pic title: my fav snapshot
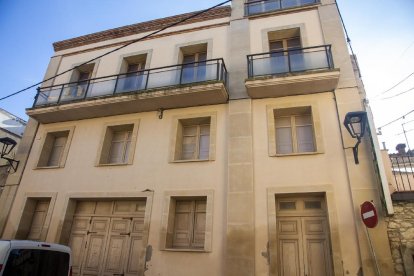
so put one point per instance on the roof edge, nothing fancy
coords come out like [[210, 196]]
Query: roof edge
[[142, 27]]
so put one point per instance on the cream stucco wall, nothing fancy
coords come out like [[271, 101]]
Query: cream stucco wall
[[151, 170]]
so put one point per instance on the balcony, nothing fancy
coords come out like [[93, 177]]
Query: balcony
[[264, 6], [177, 86], [291, 72]]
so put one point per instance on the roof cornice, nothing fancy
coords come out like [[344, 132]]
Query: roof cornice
[[143, 27]]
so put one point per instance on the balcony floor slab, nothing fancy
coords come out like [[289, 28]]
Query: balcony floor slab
[[194, 95], [292, 84]]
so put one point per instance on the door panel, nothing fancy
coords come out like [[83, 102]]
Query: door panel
[[290, 247], [303, 239], [117, 246], [289, 257], [317, 250], [95, 247], [77, 242]]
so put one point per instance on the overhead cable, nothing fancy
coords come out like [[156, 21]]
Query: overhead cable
[[389, 89], [395, 120], [396, 95]]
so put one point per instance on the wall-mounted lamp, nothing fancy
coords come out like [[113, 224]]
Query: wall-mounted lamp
[[355, 123], [8, 146]]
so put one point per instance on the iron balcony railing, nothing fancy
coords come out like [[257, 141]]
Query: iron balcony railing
[[290, 61], [262, 6], [134, 82], [403, 171]]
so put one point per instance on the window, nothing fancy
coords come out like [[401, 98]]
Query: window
[[194, 68], [79, 83], [26, 261], [187, 220], [55, 149], [193, 58], [189, 223], [294, 131], [132, 78], [193, 139], [286, 55], [35, 219], [294, 128], [118, 144]]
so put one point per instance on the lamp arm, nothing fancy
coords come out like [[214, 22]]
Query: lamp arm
[[13, 163], [355, 150]]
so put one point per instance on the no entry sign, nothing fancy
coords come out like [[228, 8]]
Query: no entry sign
[[369, 214]]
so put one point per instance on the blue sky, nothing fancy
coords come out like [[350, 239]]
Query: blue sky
[[381, 31]]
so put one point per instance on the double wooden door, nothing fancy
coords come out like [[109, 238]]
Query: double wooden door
[[303, 241], [108, 245]]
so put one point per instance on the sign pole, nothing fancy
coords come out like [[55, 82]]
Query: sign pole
[[373, 251], [369, 217]]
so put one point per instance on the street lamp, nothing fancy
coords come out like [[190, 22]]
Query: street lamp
[[355, 123], [8, 146]]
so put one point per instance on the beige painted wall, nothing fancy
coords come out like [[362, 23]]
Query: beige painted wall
[[150, 170]]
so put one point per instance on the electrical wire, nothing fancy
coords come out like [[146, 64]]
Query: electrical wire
[[396, 95], [395, 120], [348, 39], [404, 132], [119, 48], [389, 89]]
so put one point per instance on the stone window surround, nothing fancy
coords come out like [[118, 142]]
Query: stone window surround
[[167, 217], [36, 196], [106, 126], [331, 214], [122, 59], [271, 129], [302, 32], [174, 134], [178, 53], [45, 133], [94, 72]]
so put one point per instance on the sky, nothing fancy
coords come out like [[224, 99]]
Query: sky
[[381, 33]]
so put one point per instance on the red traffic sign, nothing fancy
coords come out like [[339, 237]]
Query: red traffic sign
[[369, 214]]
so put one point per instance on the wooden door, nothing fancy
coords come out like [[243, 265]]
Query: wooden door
[[303, 247], [107, 238], [95, 246]]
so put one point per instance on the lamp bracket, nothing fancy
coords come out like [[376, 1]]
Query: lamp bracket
[[13, 163]]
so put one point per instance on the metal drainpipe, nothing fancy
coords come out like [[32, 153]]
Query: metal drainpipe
[[376, 151]]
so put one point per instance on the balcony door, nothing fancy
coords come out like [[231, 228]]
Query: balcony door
[[286, 55], [133, 78], [78, 87], [194, 68]]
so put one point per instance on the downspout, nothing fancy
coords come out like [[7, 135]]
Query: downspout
[[379, 164]]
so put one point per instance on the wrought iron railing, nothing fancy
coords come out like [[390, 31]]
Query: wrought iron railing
[[403, 171], [290, 61], [134, 82], [262, 6]]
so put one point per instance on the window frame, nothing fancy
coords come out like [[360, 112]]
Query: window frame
[[293, 126], [177, 136], [316, 123], [45, 150], [106, 142], [168, 217]]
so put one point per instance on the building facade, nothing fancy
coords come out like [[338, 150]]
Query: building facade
[[215, 147]]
